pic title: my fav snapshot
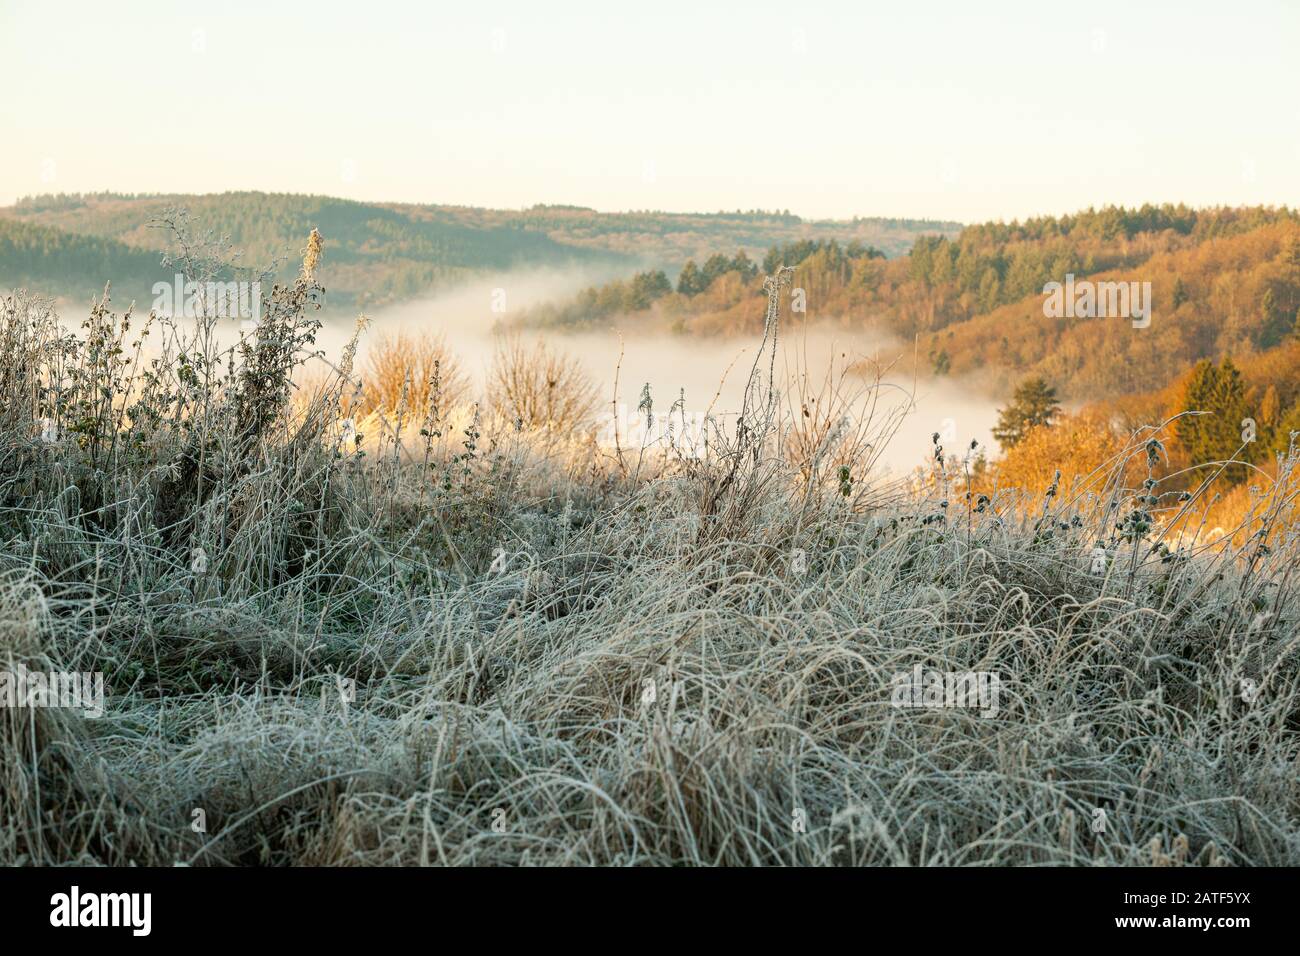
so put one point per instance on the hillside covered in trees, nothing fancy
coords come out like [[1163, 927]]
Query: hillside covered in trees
[[969, 303], [1223, 281], [385, 252], [56, 261], [1223, 337]]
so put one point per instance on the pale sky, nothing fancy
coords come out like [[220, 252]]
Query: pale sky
[[935, 109]]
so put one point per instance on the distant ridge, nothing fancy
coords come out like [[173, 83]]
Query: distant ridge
[[377, 253]]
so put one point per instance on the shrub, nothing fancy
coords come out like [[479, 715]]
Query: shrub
[[538, 387], [411, 370]]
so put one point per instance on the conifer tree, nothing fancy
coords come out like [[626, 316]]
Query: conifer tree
[[688, 283], [1221, 394], [1033, 403]]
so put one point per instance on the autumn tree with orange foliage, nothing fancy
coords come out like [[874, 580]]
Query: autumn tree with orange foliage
[[404, 368], [1074, 445]]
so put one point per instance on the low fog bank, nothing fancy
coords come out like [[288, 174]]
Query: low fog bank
[[711, 371]]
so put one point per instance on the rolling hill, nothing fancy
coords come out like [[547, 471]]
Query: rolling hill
[[379, 253], [1223, 281]]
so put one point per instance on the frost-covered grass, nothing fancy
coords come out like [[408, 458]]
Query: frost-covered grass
[[476, 644]]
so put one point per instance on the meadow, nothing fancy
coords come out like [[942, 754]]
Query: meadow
[[347, 615]]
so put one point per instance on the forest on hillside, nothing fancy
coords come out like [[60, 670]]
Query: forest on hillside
[[1223, 338], [1224, 282], [382, 253]]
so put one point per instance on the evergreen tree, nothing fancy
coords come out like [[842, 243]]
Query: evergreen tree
[[645, 288], [1274, 319], [1221, 393], [744, 265], [714, 266], [1198, 394], [1282, 434], [690, 282], [1033, 403], [772, 261], [1180, 293]]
